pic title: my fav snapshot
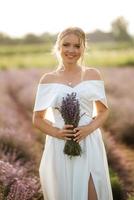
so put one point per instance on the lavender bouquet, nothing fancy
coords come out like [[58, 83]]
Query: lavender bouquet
[[70, 111]]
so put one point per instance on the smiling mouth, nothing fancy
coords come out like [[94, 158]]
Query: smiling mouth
[[70, 56]]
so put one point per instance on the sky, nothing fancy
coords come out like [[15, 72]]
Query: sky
[[19, 17]]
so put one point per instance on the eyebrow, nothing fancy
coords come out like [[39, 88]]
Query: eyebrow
[[70, 43]]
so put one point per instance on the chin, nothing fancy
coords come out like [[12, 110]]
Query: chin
[[70, 61]]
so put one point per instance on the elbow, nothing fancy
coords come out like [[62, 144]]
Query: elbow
[[37, 118], [34, 121], [106, 112]]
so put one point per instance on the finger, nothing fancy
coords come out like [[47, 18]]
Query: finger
[[80, 139], [69, 134], [76, 129], [67, 126], [77, 134], [66, 138], [68, 131], [77, 138]]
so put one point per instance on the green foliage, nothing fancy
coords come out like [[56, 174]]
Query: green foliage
[[116, 186], [110, 46], [99, 36], [110, 58], [1, 191], [40, 55], [44, 60], [8, 50], [29, 38], [32, 39], [131, 198], [119, 29]]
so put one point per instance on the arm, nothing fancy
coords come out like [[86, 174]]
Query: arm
[[42, 124], [46, 126], [38, 116], [102, 112], [97, 122]]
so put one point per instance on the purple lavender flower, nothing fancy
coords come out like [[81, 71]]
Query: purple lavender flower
[[23, 189], [70, 111]]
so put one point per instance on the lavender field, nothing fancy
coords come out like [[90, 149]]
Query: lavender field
[[21, 145]]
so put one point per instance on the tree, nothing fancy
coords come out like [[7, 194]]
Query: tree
[[30, 38], [100, 36], [48, 38], [4, 38], [120, 29]]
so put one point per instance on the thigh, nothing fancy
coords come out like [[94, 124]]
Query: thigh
[[92, 195]]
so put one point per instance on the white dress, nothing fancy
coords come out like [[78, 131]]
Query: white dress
[[63, 178]]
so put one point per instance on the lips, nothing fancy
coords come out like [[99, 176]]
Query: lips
[[70, 56]]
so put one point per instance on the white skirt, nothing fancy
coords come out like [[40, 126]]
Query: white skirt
[[63, 178]]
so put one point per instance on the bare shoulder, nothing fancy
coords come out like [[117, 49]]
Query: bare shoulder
[[48, 77], [92, 74]]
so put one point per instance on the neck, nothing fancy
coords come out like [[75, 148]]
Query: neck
[[69, 68]]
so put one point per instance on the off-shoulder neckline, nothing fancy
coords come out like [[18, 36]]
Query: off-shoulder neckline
[[62, 84]]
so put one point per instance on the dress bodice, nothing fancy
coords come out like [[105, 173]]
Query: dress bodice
[[50, 95]]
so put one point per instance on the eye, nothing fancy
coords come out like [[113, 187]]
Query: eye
[[77, 46], [65, 44]]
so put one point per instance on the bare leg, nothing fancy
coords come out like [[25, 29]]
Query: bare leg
[[91, 190]]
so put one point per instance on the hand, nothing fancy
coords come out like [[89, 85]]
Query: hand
[[80, 133], [65, 133]]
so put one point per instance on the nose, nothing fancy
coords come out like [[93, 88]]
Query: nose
[[71, 49]]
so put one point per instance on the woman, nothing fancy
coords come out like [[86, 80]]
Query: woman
[[84, 177]]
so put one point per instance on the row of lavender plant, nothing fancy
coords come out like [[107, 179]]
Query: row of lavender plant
[[119, 87], [20, 150], [21, 144]]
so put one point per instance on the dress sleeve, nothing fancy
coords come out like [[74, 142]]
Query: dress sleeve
[[45, 97], [99, 93]]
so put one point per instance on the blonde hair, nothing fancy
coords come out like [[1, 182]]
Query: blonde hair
[[71, 30]]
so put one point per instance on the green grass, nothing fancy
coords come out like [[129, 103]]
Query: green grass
[[102, 54], [110, 58], [28, 61], [9, 50], [111, 46]]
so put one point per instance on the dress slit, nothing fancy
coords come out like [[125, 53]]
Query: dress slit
[[92, 182]]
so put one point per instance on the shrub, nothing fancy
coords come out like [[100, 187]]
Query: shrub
[[15, 183], [131, 198], [128, 134], [116, 186]]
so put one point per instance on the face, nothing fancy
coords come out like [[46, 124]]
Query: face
[[70, 49]]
